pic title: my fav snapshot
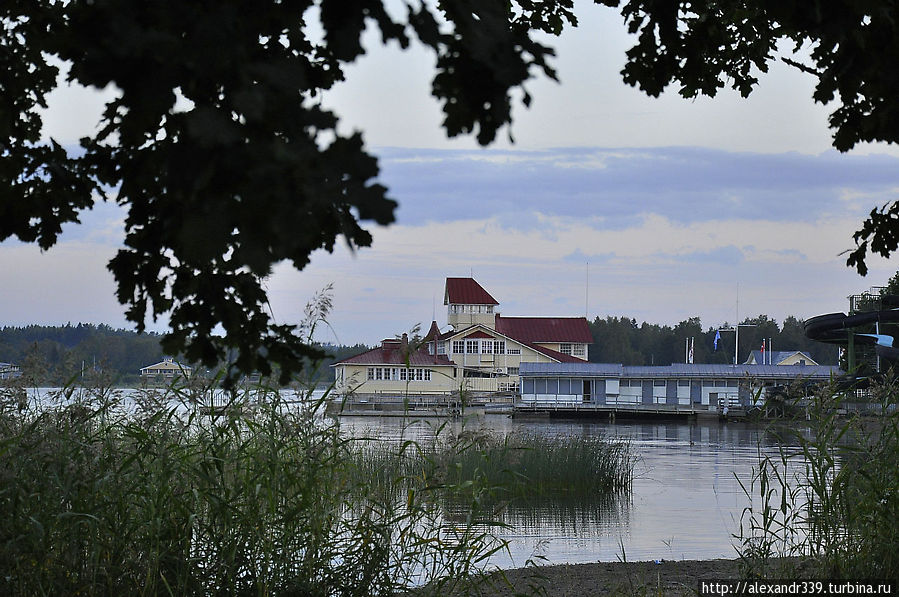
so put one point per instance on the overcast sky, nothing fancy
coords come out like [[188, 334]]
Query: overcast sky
[[608, 203]]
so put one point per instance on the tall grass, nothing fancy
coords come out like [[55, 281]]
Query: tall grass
[[261, 500], [519, 466], [829, 508]]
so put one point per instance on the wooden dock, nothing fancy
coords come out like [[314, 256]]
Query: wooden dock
[[612, 411]]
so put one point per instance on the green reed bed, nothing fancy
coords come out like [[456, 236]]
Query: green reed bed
[[166, 501], [829, 508], [517, 466]]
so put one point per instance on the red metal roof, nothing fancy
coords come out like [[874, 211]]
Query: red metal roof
[[545, 329], [465, 291], [433, 332], [394, 356]]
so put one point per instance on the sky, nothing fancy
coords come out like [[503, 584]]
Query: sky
[[608, 203]]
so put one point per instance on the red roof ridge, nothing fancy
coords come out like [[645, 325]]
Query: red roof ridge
[[466, 291]]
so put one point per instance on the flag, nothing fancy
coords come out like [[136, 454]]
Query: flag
[[690, 359], [763, 347], [717, 338]]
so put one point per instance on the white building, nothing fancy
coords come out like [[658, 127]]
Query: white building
[[166, 369], [481, 352]]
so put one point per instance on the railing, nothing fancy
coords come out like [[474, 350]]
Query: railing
[[554, 405]]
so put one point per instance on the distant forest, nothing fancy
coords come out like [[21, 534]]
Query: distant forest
[[56, 355], [623, 340]]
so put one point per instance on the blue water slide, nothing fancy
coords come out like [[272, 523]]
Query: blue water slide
[[835, 328]]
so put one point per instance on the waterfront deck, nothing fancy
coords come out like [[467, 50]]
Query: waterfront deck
[[626, 410]]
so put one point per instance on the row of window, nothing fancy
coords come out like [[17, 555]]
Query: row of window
[[398, 374], [480, 346], [471, 308], [637, 383], [475, 347], [576, 385]]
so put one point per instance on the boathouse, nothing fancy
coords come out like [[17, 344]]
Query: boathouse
[[675, 388]]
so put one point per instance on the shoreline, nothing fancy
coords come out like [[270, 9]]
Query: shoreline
[[668, 578]]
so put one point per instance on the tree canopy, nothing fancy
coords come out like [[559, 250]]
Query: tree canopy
[[227, 164]]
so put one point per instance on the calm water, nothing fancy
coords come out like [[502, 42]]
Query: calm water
[[686, 501]]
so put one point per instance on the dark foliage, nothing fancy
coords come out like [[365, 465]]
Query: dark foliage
[[849, 46], [227, 164], [219, 149]]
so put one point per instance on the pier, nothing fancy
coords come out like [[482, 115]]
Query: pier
[[611, 411]]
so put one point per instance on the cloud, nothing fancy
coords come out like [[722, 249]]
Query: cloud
[[660, 250], [613, 185], [727, 255]]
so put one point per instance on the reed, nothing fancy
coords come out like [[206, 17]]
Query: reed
[[262, 499], [828, 508], [517, 466]]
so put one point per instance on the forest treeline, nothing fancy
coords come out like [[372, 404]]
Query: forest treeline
[[623, 340], [56, 355]]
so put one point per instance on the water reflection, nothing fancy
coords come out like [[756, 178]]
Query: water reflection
[[686, 502]]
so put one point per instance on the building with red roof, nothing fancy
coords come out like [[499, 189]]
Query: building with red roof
[[480, 352]]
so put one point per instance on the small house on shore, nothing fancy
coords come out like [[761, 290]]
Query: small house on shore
[[9, 371], [166, 369]]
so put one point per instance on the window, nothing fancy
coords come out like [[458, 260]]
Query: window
[[489, 308], [512, 370], [565, 349], [487, 347], [513, 351], [471, 346], [371, 373], [683, 383], [499, 346], [458, 346], [441, 348], [659, 382], [578, 350], [378, 373], [409, 374]]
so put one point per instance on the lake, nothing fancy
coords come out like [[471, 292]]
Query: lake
[[686, 501]]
